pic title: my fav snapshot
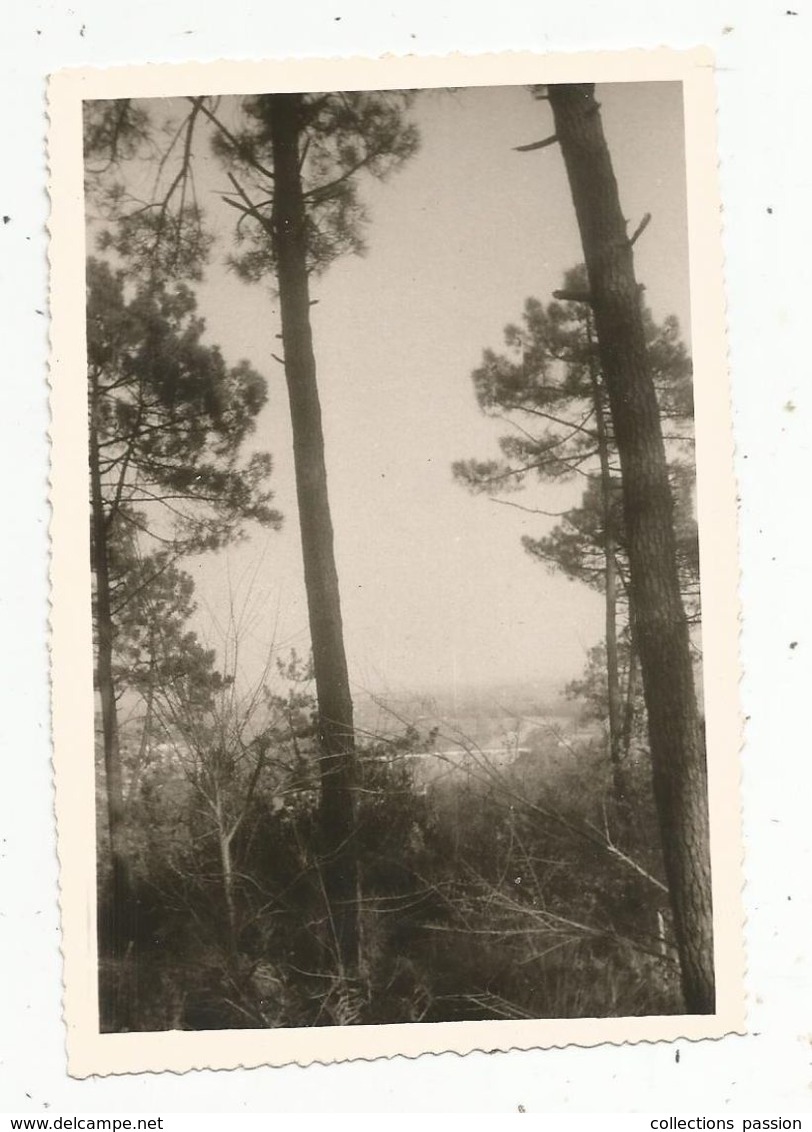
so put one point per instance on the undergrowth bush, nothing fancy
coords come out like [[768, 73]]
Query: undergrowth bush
[[494, 894]]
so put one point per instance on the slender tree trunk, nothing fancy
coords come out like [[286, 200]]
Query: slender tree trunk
[[612, 672], [632, 689], [610, 595], [661, 628], [227, 869], [338, 762], [116, 932]]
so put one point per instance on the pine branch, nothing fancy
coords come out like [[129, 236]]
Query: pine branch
[[566, 296], [640, 229], [529, 510], [552, 140]]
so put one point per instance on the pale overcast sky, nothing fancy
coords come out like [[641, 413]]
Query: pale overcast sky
[[435, 585]]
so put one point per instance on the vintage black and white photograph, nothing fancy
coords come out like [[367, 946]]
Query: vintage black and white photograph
[[397, 707]]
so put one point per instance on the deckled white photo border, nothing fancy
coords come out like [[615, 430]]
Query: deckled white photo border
[[90, 1052]]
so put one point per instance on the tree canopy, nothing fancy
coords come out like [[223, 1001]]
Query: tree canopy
[[547, 388], [171, 418]]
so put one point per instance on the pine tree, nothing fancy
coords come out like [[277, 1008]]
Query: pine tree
[[167, 421], [661, 627]]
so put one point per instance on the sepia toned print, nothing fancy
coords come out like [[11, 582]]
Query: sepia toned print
[[394, 579]]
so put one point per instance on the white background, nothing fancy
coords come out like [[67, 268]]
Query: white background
[[765, 96]]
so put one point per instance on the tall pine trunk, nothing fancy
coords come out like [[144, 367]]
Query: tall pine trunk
[[116, 929], [661, 628], [338, 768]]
